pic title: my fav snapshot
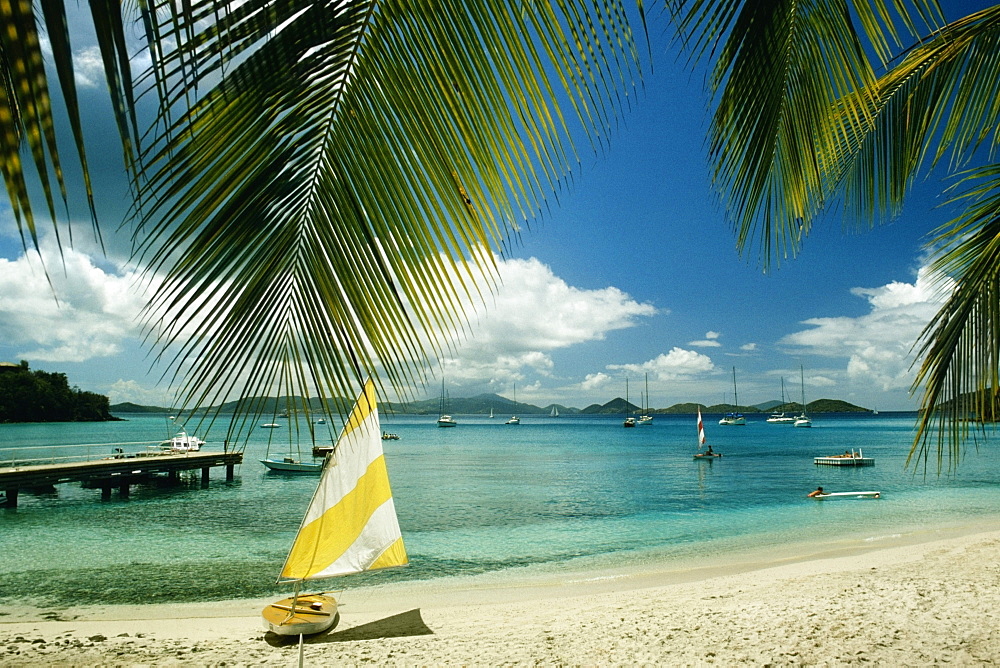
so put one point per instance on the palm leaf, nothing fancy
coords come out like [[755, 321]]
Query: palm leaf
[[772, 143], [343, 165]]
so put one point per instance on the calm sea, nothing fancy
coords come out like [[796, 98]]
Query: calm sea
[[484, 497]]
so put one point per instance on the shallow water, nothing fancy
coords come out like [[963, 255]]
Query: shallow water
[[480, 498]]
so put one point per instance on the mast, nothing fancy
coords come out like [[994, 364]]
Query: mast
[[736, 396]]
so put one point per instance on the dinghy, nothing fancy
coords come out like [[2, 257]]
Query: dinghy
[[349, 527]]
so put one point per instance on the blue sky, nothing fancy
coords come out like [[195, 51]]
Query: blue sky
[[633, 273]]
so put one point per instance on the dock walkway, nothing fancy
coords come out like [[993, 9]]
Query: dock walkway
[[117, 471]]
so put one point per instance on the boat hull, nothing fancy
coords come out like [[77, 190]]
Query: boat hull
[[313, 613], [289, 465]]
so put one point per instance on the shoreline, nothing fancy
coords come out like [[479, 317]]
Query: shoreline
[[909, 598]]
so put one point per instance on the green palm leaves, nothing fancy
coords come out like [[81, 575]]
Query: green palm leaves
[[803, 121], [321, 173]]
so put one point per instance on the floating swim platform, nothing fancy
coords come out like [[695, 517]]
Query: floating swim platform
[[841, 460], [851, 458]]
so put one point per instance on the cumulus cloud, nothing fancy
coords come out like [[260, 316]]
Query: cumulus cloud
[[87, 312], [877, 345], [748, 347], [711, 340], [532, 314], [678, 364]]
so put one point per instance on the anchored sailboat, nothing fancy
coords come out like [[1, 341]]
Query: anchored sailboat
[[513, 418], [803, 420], [735, 418], [781, 418], [646, 418], [444, 420], [349, 527]]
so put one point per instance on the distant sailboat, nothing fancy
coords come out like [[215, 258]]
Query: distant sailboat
[[781, 418], [513, 418], [491, 412], [629, 420], [736, 418], [803, 420], [645, 419], [555, 412], [349, 527], [709, 453], [444, 420]]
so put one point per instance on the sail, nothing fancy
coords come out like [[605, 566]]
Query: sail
[[701, 430], [350, 525]]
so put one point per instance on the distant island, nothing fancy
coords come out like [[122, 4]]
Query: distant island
[[482, 404], [40, 396]]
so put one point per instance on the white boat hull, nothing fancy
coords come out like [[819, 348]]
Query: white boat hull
[[314, 613], [289, 465]]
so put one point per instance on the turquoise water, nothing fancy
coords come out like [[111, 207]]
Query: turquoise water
[[552, 493]]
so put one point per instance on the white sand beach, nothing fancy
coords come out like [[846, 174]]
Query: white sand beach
[[902, 600]]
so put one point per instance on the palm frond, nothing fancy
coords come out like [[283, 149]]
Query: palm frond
[[960, 371], [779, 70], [343, 164]]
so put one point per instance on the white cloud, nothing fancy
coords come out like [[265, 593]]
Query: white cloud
[[711, 340], [534, 313], [678, 364], [595, 381], [88, 68], [86, 313], [877, 345], [749, 347]]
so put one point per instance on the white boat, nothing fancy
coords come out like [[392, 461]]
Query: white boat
[[292, 465], [491, 412], [709, 453], [444, 420], [349, 527], [734, 419], [803, 420], [182, 441], [645, 419], [270, 425], [513, 418], [781, 418], [629, 420], [554, 413]]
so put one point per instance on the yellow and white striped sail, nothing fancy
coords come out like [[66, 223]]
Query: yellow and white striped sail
[[351, 523]]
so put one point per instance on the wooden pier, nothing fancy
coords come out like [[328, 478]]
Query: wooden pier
[[118, 471]]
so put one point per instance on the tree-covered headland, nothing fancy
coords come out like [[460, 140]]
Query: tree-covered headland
[[41, 396]]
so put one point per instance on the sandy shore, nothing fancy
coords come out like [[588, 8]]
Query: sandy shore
[[900, 601]]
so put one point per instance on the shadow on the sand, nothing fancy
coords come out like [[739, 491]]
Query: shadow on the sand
[[404, 624]]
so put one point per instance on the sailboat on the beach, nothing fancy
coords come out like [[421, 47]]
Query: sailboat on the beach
[[349, 527], [709, 453]]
